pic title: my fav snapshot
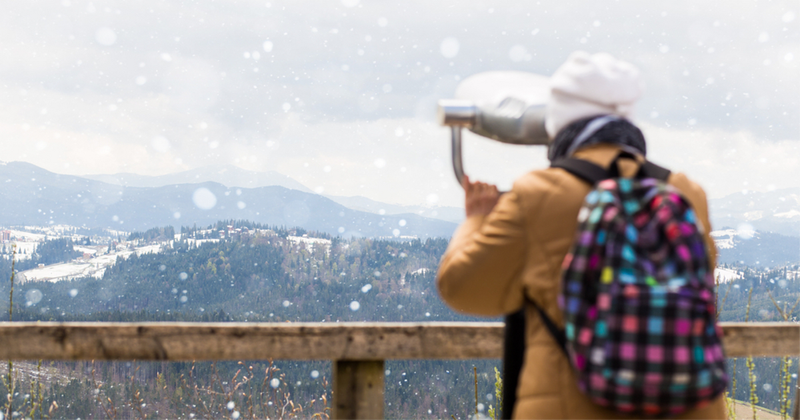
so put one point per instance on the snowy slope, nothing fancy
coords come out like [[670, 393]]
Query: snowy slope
[[752, 247]]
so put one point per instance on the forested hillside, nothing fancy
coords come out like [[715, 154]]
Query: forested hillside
[[239, 271], [279, 276], [263, 277]]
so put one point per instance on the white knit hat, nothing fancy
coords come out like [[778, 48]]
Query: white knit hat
[[591, 84]]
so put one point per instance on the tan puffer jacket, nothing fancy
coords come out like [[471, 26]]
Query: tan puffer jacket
[[518, 248]]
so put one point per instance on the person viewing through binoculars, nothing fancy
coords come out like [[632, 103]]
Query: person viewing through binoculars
[[607, 255]]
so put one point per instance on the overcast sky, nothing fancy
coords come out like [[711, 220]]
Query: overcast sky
[[340, 94]]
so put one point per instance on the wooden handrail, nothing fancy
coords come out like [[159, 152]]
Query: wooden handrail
[[249, 341], [310, 341], [358, 350]]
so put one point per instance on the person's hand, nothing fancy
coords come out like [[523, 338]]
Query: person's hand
[[480, 198]]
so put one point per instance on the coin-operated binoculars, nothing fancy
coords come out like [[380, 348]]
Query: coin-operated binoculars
[[509, 107], [506, 106]]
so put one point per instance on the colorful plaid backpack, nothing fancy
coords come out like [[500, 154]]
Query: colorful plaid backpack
[[638, 296]]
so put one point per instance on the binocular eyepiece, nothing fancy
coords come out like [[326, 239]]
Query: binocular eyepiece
[[505, 106], [511, 121]]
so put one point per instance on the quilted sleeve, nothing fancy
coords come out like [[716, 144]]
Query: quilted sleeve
[[479, 272]]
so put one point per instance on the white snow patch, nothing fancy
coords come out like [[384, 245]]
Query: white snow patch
[[94, 267], [726, 274], [27, 236], [25, 250], [149, 249], [753, 215], [86, 249], [311, 242], [723, 239], [57, 272], [197, 242], [788, 214]]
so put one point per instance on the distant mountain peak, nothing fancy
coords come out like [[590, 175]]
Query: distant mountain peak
[[226, 174], [728, 238], [772, 211], [30, 195], [450, 214]]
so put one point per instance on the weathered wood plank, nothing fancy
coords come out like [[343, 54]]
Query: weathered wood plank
[[358, 389], [310, 341], [249, 341], [761, 339]]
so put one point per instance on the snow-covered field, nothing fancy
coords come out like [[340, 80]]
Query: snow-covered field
[[724, 239], [149, 249], [27, 236], [789, 214], [94, 250], [312, 242], [24, 250], [197, 242], [63, 271], [726, 274], [94, 267]]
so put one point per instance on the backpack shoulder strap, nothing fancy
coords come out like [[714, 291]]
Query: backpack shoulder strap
[[592, 173], [583, 169], [514, 351], [651, 170], [558, 334]]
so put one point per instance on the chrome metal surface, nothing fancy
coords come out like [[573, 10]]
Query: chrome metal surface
[[453, 112], [458, 162], [512, 122]]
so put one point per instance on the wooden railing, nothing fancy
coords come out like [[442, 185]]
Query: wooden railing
[[358, 350]]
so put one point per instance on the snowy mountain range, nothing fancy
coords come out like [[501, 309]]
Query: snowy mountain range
[[756, 248], [30, 195], [232, 176], [33, 195], [774, 211], [450, 214], [227, 175]]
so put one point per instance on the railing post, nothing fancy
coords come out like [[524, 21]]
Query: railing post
[[357, 389]]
